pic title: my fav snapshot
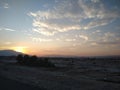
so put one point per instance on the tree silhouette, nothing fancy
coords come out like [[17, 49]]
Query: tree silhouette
[[26, 59], [33, 60], [19, 58]]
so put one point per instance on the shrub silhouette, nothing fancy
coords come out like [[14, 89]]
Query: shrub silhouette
[[34, 61], [45, 62], [26, 59], [19, 59]]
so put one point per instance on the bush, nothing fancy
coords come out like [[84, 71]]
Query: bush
[[45, 63], [34, 61], [26, 59], [19, 59]]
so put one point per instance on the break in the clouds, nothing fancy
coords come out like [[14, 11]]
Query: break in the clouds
[[68, 15]]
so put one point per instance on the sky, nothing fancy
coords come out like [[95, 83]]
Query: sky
[[61, 27]]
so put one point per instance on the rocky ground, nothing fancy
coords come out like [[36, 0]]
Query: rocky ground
[[82, 75]]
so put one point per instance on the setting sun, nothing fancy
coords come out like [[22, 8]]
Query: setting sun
[[20, 49], [60, 27]]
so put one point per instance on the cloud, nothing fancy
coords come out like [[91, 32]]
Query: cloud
[[98, 23], [56, 20], [68, 15], [98, 12], [36, 39], [94, 44], [96, 32], [7, 29], [95, 1], [44, 31], [83, 37], [105, 43], [107, 38], [49, 24], [8, 43], [6, 5], [110, 37], [70, 40], [109, 43]]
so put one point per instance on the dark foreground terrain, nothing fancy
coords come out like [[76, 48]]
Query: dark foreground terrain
[[80, 74], [8, 84]]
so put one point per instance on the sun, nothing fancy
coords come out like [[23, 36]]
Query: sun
[[20, 49]]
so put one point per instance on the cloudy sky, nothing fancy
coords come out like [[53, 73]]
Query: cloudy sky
[[61, 27]]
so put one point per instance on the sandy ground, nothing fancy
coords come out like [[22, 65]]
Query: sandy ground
[[8, 84], [83, 75]]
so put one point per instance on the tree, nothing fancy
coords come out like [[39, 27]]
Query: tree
[[19, 58], [33, 60], [33, 57], [26, 59]]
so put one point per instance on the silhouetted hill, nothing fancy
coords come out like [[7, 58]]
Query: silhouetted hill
[[9, 53]]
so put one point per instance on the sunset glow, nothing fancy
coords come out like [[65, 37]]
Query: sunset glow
[[61, 27], [20, 49]]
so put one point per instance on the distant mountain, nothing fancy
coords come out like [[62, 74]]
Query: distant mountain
[[9, 53]]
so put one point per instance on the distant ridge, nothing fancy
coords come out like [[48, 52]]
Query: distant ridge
[[9, 53]]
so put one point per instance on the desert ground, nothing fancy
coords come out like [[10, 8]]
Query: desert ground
[[80, 74], [9, 84]]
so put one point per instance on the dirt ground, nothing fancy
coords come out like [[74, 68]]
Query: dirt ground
[[82, 75]]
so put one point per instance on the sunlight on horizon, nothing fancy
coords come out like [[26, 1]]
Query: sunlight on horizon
[[20, 49], [61, 27]]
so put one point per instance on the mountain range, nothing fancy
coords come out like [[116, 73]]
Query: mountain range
[[9, 53]]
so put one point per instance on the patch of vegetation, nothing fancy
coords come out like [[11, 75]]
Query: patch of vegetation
[[34, 61]]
